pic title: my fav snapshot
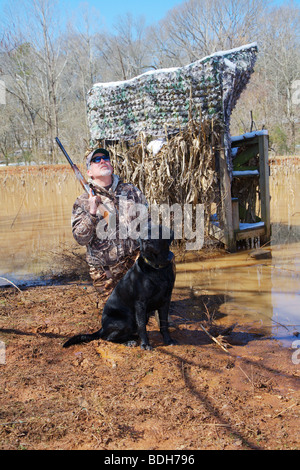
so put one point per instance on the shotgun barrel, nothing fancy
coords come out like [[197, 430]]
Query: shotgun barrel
[[82, 180], [75, 168]]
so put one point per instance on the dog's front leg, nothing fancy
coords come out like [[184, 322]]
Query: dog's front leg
[[141, 321], [163, 313]]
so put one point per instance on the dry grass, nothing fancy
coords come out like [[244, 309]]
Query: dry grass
[[68, 261]]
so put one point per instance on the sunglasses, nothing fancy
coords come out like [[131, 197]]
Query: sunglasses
[[99, 158]]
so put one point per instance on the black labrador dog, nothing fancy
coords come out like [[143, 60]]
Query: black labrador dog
[[146, 287]]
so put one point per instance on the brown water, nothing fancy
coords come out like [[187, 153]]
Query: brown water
[[35, 214]]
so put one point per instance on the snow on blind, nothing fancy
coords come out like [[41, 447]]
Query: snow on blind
[[164, 99]]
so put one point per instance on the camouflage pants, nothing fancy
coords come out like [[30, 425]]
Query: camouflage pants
[[106, 278]]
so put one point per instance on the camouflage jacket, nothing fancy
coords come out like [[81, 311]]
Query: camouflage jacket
[[88, 229]]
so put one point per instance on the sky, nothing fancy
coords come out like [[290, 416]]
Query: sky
[[152, 10], [105, 13], [109, 10]]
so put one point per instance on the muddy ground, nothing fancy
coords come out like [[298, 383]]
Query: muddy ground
[[105, 396]]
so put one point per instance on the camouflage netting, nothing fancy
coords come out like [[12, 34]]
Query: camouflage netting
[[164, 100]]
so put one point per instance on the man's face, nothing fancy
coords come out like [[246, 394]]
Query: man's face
[[99, 168]]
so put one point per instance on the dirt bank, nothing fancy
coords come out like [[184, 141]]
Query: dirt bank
[[106, 396]]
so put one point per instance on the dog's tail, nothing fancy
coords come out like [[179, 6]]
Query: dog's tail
[[84, 338]]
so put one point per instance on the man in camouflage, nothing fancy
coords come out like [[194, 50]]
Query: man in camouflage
[[108, 258]]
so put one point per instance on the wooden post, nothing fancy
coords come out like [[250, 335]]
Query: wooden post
[[235, 214], [226, 204], [263, 144]]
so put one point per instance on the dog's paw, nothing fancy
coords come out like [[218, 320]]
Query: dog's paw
[[131, 344], [146, 347], [171, 342]]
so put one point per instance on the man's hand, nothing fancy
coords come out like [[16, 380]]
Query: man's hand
[[94, 202]]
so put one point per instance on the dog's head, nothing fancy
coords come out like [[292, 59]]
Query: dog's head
[[156, 251]]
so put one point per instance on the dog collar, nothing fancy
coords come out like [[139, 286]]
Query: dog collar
[[160, 266]]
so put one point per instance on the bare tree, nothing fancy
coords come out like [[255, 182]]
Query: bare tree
[[19, 85], [198, 28], [82, 71], [270, 92], [280, 62], [50, 64], [125, 53], [35, 64]]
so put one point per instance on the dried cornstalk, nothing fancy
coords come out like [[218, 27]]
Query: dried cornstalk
[[182, 172]]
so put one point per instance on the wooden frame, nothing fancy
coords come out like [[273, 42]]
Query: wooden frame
[[230, 230]]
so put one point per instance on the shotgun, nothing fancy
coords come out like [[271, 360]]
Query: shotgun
[[82, 179], [75, 168]]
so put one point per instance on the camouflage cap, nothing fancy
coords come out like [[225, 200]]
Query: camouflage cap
[[94, 152]]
